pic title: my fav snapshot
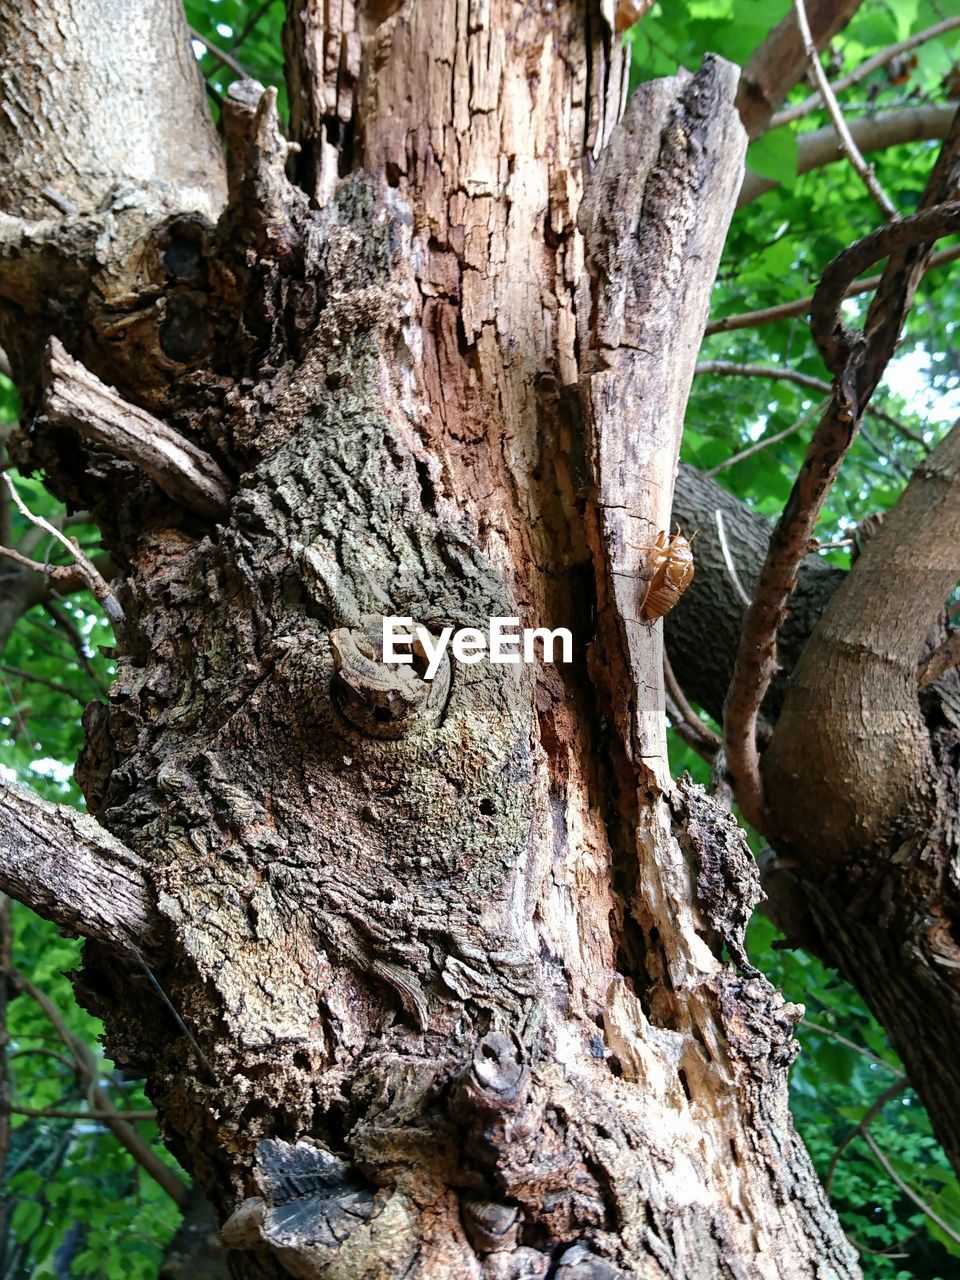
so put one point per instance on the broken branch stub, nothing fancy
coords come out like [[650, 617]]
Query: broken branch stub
[[78, 399]]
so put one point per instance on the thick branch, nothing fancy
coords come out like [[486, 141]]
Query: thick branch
[[835, 341], [857, 361], [780, 62], [97, 94], [851, 726], [872, 133], [78, 399], [66, 867]]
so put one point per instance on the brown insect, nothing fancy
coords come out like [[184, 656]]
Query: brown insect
[[671, 559]]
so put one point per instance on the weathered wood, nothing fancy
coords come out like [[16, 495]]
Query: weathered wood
[[76, 398], [72, 871]]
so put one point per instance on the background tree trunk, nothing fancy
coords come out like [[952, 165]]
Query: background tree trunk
[[452, 976]]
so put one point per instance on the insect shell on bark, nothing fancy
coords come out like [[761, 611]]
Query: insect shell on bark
[[671, 564]]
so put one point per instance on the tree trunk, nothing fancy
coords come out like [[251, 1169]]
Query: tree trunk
[[452, 976]]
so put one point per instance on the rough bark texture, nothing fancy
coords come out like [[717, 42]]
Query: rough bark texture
[[458, 975], [72, 870], [55, 133]]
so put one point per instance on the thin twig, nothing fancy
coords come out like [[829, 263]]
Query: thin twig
[[801, 306], [709, 740], [850, 1044], [34, 566], [685, 733], [839, 544], [118, 1122], [866, 68], [88, 570], [173, 1011], [766, 442], [780, 373], [49, 684], [908, 1190], [883, 453], [776, 373], [63, 620], [221, 55], [850, 148], [860, 1130], [59, 201], [728, 559], [250, 24], [101, 1116]]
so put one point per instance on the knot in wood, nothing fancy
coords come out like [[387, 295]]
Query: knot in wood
[[498, 1075], [384, 700], [491, 1226], [579, 1262]]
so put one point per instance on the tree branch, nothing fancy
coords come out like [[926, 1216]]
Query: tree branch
[[765, 442], [125, 110], [801, 306], [835, 341], [848, 356], [85, 567], [941, 660], [221, 55], [53, 1113], [850, 148], [780, 373], [77, 398], [866, 773], [872, 133], [66, 867], [865, 69], [780, 61], [685, 720], [118, 1122], [892, 1091], [908, 1190]]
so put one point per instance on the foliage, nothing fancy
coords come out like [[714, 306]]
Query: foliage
[[248, 32], [79, 1205], [776, 251]]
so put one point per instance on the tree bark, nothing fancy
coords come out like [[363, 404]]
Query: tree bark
[[453, 977]]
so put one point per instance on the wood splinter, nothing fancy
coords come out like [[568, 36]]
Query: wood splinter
[[76, 398]]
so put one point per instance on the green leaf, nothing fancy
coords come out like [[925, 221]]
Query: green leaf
[[775, 156], [26, 1218]]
